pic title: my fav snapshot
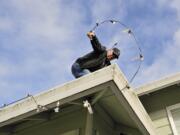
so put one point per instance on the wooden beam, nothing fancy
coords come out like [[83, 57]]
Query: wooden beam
[[40, 117], [89, 124], [98, 96]]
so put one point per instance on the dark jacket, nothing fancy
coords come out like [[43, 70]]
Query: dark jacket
[[96, 59]]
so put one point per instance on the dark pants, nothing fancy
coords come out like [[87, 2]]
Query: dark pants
[[77, 71]]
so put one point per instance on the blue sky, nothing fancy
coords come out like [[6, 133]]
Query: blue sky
[[40, 39]]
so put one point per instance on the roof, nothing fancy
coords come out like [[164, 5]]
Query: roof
[[123, 104], [158, 85]]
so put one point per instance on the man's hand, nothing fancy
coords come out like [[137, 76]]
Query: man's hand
[[90, 35]]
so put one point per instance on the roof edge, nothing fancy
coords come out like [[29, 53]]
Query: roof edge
[[29, 104], [158, 85]]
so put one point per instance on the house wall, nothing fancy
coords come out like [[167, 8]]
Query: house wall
[[67, 123], [70, 121], [155, 104]]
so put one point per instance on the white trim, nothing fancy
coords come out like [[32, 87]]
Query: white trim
[[158, 84], [68, 92], [110, 76], [169, 109]]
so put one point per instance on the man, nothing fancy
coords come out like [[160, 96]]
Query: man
[[97, 59]]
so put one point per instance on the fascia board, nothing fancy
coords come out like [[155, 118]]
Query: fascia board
[[132, 104], [77, 89], [27, 107], [158, 85]]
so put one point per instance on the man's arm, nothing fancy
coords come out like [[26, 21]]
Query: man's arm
[[95, 42]]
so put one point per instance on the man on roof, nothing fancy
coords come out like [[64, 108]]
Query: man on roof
[[99, 58]]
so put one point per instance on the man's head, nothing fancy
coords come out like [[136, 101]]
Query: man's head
[[113, 53]]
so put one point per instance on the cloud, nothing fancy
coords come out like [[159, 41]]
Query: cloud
[[175, 5], [50, 20], [41, 39], [39, 52], [100, 10], [165, 63], [5, 24]]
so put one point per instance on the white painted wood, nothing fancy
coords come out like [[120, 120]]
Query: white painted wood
[[169, 111], [137, 109], [161, 122], [158, 85], [27, 107], [78, 88]]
